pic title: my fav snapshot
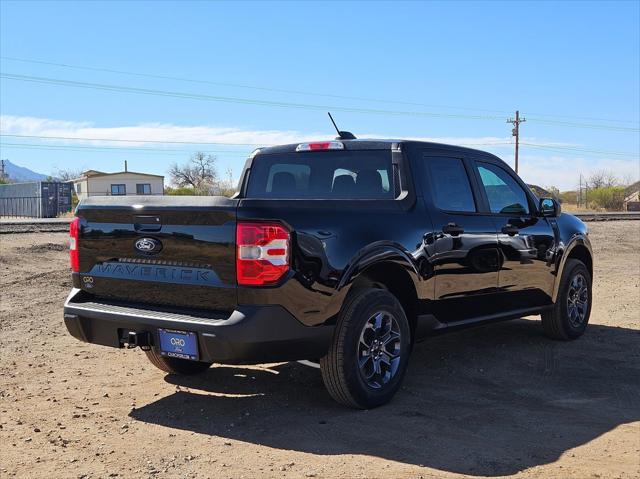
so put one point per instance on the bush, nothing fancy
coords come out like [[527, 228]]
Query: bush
[[222, 190], [180, 191], [568, 197], [607, 197]]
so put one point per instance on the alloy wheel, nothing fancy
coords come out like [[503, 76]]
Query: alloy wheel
[[577, 300], [379, 349]]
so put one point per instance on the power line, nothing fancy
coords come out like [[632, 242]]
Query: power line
[[112, 148], [251, 101], [129, 140], [296, 92], [238, 85], [146, 149], [581, 125], [71, 148], [226, 99], [541, 117], [177, 142], [566, 149], [548, 146]]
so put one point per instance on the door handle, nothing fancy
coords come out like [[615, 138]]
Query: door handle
[[452, 229], [510, 230]]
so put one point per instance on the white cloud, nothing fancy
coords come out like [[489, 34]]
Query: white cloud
[[16, 125], [28, 125], [19, 125], [564, 172], [541, 168]]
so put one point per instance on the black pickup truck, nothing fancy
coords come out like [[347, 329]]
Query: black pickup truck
[[343, 252]]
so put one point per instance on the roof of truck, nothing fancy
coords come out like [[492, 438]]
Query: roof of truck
[[376, 144]]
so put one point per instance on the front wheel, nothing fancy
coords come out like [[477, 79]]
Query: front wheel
[[368, 356], [569, 317], [176, 365]]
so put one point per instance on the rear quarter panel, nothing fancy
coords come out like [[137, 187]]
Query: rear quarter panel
[[330, 240]]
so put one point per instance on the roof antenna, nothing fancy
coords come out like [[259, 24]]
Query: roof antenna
[[342, 135]]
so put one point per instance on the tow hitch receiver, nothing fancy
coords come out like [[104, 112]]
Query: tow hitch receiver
[[133, 339]]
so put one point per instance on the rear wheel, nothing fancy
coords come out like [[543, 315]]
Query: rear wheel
[[368, 356], [570, 315], [176, 365]]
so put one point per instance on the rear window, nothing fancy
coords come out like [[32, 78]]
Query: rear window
[[365, 174]]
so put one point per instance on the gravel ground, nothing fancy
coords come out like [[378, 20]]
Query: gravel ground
[[494, 401]]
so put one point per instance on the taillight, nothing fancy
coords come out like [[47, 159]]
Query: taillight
[[74, 237], [262, 256]]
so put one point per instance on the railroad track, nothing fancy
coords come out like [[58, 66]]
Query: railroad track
[[35, 225], [623, 215]]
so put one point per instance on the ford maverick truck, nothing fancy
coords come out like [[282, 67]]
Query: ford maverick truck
[[344, 252]]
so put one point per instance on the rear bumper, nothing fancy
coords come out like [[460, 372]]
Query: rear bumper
[[249, 335]]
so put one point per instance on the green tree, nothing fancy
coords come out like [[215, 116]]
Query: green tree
[[569, 197], [607, 197], [180, 191]]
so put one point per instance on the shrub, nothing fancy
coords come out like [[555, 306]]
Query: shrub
[[568, 197], [607, 197], [180, 191]]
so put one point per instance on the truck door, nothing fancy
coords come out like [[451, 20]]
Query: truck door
[[465, 241], [526, 241]]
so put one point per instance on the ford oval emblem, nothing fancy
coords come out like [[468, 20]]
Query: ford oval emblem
[[148, 246]]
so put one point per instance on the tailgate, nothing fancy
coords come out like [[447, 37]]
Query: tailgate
[[170, 250]]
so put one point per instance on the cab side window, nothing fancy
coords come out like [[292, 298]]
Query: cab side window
[[505, 195], [450, 185]]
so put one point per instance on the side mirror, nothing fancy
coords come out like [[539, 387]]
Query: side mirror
[[549, 207]]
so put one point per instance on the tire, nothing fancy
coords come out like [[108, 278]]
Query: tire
[[357, 337], [562, 321], [176, 365]]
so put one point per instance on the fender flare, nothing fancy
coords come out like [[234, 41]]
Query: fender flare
[[376, 253], [371, 255], [578, 239]]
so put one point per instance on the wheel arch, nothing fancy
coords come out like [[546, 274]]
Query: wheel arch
[[578, 248], [391, 270]]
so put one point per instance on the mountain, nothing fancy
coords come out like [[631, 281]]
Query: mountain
[[21, 174]]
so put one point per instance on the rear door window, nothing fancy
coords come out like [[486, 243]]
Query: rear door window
[[450, 185], [364, 174]]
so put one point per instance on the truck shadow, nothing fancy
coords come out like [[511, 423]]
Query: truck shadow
[[490, 401]]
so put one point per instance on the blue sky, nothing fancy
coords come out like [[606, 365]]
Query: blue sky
[[446, 71]]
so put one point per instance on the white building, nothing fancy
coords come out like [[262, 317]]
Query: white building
[[97, 183]]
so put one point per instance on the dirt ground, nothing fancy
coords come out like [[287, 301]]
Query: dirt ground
[[494, 401]]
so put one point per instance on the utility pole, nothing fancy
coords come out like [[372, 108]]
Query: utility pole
[[1, 169], [516, 132], [586, 193], [579, 199]]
